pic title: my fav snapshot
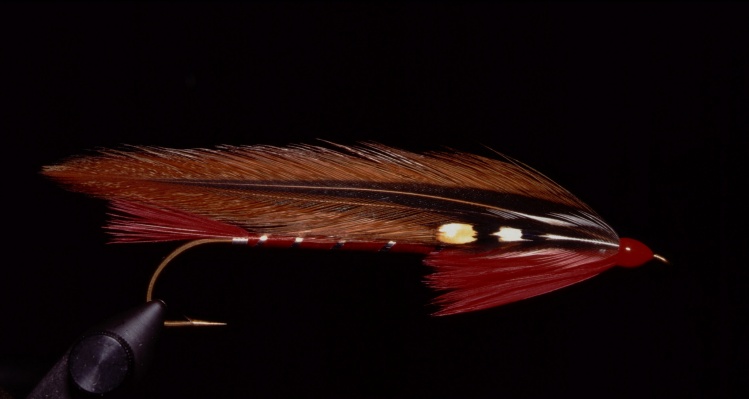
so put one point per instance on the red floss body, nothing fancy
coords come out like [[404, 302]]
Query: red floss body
[[494, 231]]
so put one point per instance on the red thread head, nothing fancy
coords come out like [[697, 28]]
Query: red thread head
[[632, 253]]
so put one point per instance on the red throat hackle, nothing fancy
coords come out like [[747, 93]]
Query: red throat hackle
[[494, 231]]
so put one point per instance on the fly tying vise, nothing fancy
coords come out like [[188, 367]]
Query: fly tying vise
[[495, 231]]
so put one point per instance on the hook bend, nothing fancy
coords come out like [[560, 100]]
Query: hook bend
[[189, 322]]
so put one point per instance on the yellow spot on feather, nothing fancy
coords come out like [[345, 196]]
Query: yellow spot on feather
[[456, 233]]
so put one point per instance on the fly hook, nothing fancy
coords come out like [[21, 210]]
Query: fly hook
[[149, 294]]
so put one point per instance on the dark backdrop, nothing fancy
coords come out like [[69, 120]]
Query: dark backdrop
[[639, 109]]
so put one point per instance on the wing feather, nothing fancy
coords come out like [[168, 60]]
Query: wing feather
[[206, 182]]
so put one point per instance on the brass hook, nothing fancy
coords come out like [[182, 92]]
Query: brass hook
[[149, 294]]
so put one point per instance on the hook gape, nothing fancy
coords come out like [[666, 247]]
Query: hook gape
[[189, 322]]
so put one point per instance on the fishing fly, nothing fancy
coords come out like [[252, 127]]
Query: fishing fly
[[494, 231]]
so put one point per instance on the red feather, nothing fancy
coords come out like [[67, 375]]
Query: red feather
[[476, 282]]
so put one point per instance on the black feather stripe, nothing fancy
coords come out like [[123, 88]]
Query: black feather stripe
[[486, 210]]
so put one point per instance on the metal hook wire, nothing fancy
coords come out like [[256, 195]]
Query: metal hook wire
[[189, 322], [661, 259]]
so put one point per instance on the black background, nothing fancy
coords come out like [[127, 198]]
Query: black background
[[639, 109]]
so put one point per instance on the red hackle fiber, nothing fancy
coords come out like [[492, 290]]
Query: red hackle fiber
[[475, 282], [137, 222]]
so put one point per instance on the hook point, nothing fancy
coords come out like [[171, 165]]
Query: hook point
[[193, 323]]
